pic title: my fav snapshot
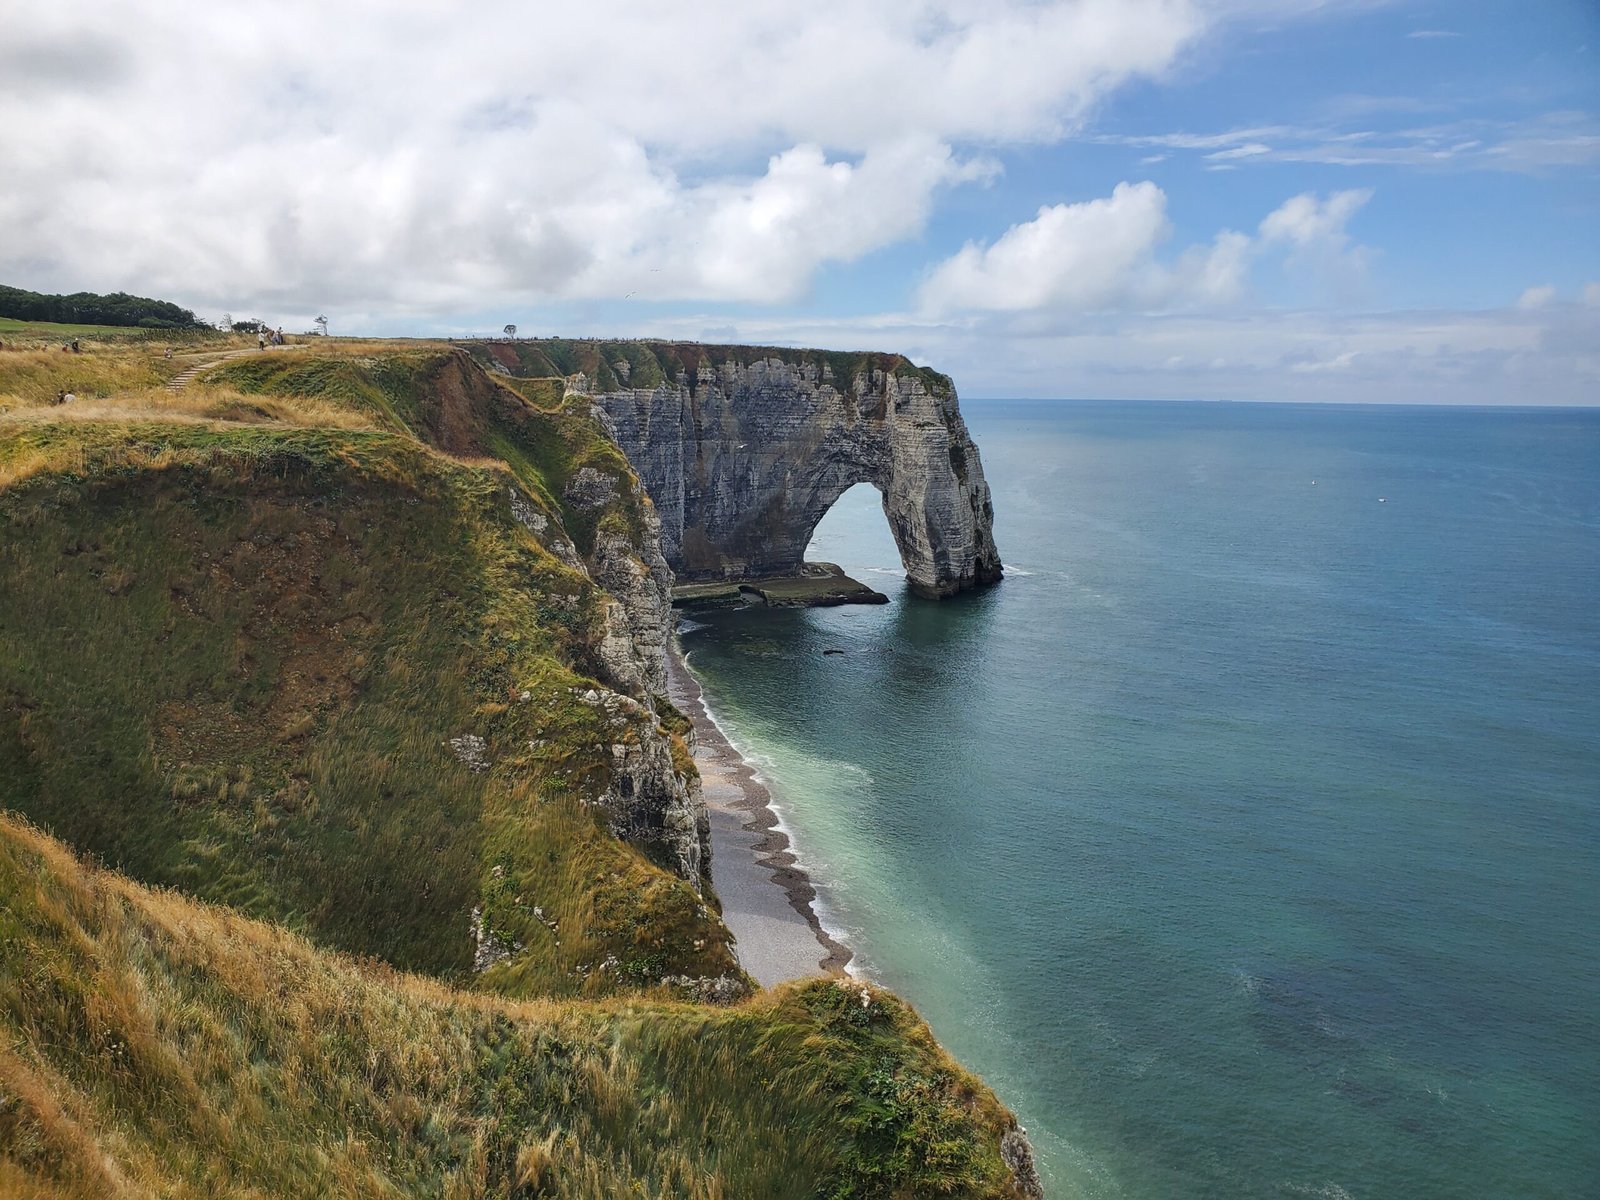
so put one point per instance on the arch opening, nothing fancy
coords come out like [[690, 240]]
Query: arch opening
[[855, 534]]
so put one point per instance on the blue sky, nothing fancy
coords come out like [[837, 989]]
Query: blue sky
[[1216, 199], [1366, 99]]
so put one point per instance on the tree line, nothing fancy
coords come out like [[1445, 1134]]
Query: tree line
[[88, 308]]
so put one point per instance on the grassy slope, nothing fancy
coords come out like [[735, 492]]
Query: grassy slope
[[232, 659], [232, 652], [150, 1045], [441, 399]]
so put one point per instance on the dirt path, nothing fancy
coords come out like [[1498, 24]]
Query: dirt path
[[188, 375]]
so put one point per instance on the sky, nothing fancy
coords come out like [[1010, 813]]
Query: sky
[[1358, 201]]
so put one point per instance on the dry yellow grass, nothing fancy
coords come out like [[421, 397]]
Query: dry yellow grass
[[151, 1046], [31, 378], [201, 402]]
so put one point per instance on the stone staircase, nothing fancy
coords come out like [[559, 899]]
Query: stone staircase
[[188, 375]]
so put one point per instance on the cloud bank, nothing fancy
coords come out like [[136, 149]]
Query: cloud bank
[[419, 156], [410, 165], [1104, 255]]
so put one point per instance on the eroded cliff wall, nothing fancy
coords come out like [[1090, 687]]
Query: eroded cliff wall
[[744, 455], [743, 449]]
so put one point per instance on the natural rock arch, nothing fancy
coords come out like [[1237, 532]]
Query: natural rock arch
[[745, 450]]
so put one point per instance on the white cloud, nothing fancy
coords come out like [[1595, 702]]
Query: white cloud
[[1536, 297], [761, 239], [1534, 145], [1433, 33], [1195, 141], [1315, 233], [1248, 150], [418, 156], [1319, 366], [1093, 255], [1103, 255], [1309, 224], [1591, 295], [1217, 273]]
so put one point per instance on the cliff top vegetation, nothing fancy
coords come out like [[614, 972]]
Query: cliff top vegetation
[[91, 309], [305, 657], [156, 1046], [650, 363]]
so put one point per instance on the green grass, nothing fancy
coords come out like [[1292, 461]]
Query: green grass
[[232, 661], [238, 633], [153, 1046], [62, 332], [14, 330]]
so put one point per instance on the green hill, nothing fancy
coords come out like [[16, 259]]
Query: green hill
[[331, 649], [234, 658], [152, 1046]]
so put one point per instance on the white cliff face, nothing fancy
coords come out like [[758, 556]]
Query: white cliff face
[[648, 802], [743, 459], [638, 578]]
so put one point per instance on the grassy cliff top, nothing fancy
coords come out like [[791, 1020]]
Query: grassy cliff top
[[150, 1046], [247, 630], [653, 363], [299, 664]]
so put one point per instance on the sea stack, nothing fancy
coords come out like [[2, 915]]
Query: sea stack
[[744, 449]]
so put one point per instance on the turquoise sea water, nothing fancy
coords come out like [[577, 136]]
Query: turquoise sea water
[[1247, 837]]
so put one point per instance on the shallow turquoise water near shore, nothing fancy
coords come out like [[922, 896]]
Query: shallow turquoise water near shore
[[1247, 837]]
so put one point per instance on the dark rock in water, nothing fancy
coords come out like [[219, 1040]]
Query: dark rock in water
[[833, 651], [744, 449], [707, 595], [1017, 1153]]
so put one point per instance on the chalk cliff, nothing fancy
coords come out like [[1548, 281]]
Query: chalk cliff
[[743, 449]]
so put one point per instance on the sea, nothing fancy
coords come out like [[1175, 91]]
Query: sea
[[1246, 837]]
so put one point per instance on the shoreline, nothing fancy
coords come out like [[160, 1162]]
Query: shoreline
[[768, 899]]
